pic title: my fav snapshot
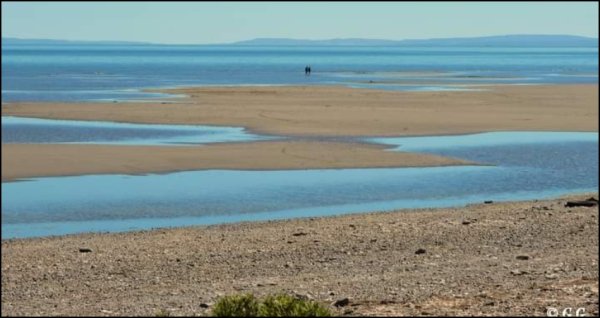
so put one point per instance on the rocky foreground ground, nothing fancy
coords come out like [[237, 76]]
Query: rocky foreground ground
[[488, 259]]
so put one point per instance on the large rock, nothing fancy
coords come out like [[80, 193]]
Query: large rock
[[587, 203]]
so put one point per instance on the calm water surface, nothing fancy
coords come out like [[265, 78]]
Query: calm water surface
[[539, 165], [520, 165], [120, 72], [33, 130]]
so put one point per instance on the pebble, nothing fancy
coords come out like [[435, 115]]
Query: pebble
[[420, 251], [341, 302], [551, 276], [517, 272], [523, 257]]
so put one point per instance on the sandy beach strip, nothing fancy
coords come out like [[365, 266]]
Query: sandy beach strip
[[513, 258], [298, 111], [342, 111], [39, 160]]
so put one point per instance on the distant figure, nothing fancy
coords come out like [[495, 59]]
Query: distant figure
[[306, 70], [309, 70]]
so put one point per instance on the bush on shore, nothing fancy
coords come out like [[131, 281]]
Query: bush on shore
[[247, 305]]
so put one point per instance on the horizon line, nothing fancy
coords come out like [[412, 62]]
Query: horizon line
[[299, 39]]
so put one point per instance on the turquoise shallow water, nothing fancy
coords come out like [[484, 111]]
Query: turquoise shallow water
[[531, 166]]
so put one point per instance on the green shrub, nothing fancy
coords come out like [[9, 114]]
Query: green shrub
[[288, 306], [236, 306], [271, 306]]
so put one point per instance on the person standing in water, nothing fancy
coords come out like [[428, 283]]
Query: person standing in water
[[306, 70], [309, 70]]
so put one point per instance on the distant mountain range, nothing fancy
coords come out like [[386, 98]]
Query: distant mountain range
[[302, 42], [496, 41], [491, 41]]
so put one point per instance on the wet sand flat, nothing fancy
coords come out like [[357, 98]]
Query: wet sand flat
[[341, 111], [299, 111], [513, 258], [37, 160]]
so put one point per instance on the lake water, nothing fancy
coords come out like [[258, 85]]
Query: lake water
[[520, 165], [119, 72], [33, 130], [532, 166]]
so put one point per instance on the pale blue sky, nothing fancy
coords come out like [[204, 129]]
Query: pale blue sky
[[206, 22]]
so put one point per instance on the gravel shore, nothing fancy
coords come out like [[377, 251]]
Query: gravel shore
[[513, 258]]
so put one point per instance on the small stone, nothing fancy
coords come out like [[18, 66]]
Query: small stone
[[517, 272], [420, 251], [556, 269], [301, 296], [488, 202], [203, 305], [85, 250], [341, 302], [489, 303], [466, 222], [522, 257], [551, 276], [299, 234]]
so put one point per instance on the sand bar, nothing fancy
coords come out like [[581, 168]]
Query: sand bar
[[299, 111], [342, 111], [470, 264], [36, 160]]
